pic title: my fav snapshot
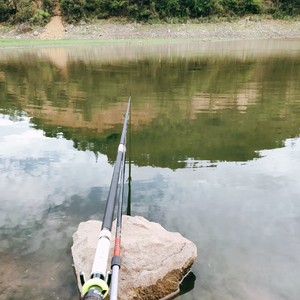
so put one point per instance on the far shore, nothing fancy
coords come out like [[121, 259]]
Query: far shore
[[56, 32]]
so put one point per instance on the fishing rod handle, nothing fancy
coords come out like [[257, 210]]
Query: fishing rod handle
[[102, 253]]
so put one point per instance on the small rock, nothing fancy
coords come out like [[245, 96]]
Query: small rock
[[35, 33], [24, 28]]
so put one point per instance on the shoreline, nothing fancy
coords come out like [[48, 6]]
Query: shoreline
[[113, 32]]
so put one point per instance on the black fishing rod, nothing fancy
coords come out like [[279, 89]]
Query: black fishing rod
[[128, 210], [97, 287], [116, 260]]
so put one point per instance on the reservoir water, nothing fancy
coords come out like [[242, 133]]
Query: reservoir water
[[214, 149]]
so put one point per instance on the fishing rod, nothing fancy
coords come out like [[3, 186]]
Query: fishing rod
[[97, 287], [128, 210], [116, 259]]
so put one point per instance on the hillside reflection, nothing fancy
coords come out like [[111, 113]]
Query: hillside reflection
[[221, 107]]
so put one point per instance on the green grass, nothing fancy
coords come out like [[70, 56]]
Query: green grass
[[34, 43], [23, 43]]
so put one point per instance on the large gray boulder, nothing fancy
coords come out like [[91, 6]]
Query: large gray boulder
[[154, 261]]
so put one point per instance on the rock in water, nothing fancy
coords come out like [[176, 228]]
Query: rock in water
[[154, 261]]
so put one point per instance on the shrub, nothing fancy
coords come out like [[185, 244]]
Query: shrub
[[141, 10], [240, 8], [168, 8], [73, 10], [117, 7], [40, 17], [231, 7], [251, 6], [198, 8], [48, 6], [289, 7], [4, 11], [25, 10], [92, 7]]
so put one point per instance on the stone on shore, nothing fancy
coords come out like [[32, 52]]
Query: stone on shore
[[154, 261]]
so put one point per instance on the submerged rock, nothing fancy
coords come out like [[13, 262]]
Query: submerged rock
[[154, 261]]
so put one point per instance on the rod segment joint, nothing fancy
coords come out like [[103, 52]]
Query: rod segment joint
[[122, 148]]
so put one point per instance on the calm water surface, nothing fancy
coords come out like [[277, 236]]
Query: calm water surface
[[215, 153]]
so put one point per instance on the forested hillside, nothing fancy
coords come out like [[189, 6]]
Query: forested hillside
[[40, 11]]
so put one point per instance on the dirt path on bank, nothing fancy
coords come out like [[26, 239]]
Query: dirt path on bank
[[54, 29], [243, 29]]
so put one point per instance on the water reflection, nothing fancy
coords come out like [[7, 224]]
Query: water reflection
[[223, 107], [215, 150], [244, 217], [42, 201]]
